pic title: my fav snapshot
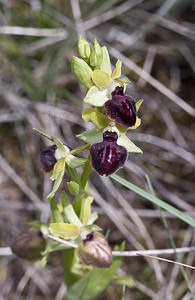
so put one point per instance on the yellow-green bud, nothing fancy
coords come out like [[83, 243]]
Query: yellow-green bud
[[96, 55], [29, 245], [94, 250], [82, 72], [84, 48]]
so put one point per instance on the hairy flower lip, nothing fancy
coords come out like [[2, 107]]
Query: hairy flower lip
[[47, 158], [121, 108], [107, 156]]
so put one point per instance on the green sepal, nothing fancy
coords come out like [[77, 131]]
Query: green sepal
[[56, 184], [91, 136], [43, 134], [64, 230], [96, 117], [58, 167], [101, 79], [73, 188], [75, 162], [82, 72], [96, 97], [124, 141], [106, 65]]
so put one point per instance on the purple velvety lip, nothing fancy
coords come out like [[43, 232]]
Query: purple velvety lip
[[121, 108], [47, 158], [107, 157]]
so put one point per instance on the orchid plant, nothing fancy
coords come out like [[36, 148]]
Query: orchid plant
[[71, 228]]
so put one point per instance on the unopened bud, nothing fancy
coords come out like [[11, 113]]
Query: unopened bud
[[96, 55], [82, 72], [84, 48], [94, 250], [29, 245], [47, 158]]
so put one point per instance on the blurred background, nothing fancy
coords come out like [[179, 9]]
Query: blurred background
[[155, 41]]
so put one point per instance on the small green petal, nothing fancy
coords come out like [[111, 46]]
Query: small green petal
[[117, 71], [96, 97], [63, 230]]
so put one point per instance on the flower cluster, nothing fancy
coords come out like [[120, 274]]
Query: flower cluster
[[113, 111]]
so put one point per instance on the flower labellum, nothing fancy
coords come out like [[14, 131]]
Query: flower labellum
[[121, 108], [29, 245], [47, 158], [94, 250], [107, 157]]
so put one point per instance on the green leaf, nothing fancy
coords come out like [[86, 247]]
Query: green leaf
[[63, 230], [73, 174], [75, 162], [94, 282], [58, 167], [69, 259], [56, 185], [73, 188], [138, 104], [106, 65], [124, 141], [56, 215], [184, 217], [96, 117], [96, 97], [91, 136], [68, 210], [127, 280]]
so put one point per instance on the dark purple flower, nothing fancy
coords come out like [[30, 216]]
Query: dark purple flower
[[107, 157], [121, 108], [47, 158]]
